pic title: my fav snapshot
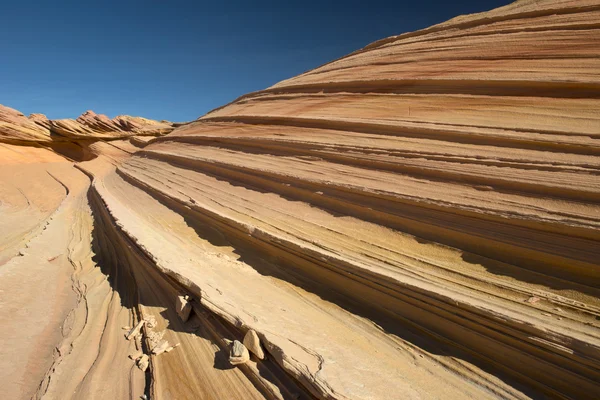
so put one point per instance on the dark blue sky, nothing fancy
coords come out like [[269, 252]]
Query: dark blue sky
[[176, 60]]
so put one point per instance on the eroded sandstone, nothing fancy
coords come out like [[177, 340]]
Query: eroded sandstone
[[418, 219]]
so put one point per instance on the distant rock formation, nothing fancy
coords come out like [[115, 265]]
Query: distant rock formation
[[41, 120], [15, 127]]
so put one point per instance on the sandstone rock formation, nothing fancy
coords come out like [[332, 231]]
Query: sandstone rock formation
[[15, 127], [91, 125], [418, 219], [41, 120]]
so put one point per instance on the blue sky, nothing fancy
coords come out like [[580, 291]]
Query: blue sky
[[176, 60]]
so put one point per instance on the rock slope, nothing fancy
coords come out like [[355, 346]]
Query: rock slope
[[418, 219]]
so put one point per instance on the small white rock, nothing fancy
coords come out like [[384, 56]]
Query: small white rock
[[143, 362], [252, 342], [150, 321], [161, 347], [135, 331], [171, 348]]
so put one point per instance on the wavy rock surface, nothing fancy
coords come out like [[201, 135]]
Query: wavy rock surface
[[90, 125], [418, 219], [432, 183], [17, 128]]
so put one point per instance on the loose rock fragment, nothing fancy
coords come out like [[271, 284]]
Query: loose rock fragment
[[150, 321], [168, 349], [533, 300], [126, 328], [143, 362], [154, 338], [238, 353], [161, 347], [135, 331], [252, 343], [137, 355], [183, 307]]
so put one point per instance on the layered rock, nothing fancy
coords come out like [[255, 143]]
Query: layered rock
[[15, 127], [418, 219], [46, 265], [90, 125], [431, 183], [40, 119]]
